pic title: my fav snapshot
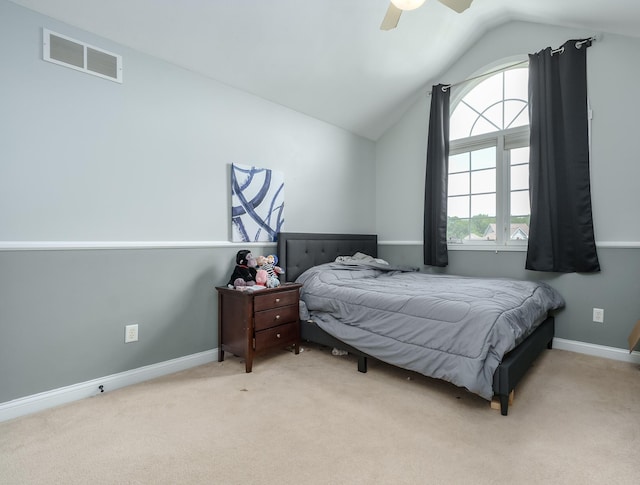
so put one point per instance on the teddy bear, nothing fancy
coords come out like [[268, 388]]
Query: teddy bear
[[244, 273], [268, 264]]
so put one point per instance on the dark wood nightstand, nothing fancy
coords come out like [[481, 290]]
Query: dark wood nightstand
[[252, 322]]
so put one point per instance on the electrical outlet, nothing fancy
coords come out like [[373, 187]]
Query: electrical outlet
[[131, 333], [598, 315]]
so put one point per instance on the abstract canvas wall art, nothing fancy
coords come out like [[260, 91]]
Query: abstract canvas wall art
[[257, 203]]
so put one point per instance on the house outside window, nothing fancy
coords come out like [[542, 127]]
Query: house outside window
[[488, 180]]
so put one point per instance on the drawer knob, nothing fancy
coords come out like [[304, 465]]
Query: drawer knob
[[278, 335], [277, 300], [277, 317]]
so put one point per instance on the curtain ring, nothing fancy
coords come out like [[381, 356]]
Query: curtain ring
[[444, 88], [580, 42], [558, 51]]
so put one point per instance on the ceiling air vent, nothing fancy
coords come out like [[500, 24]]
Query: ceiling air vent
[[77, 55]]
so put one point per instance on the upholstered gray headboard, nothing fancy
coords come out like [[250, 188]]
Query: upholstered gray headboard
[[298, 251]]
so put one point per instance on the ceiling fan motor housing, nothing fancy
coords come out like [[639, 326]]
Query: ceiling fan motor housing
[[407, 4]]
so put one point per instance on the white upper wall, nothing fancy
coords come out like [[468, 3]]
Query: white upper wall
[[87, 159], [613, 68]]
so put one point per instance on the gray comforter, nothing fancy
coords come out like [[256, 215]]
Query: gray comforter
[[448, 327]]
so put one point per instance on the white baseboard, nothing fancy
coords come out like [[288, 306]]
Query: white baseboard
[[613, 353], [48, 399]]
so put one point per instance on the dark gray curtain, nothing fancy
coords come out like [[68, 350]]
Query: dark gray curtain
[[561, 235], [435, 194]]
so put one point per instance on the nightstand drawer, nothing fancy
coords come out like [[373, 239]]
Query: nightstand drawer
[[276, 316], [277, 299], [282, 334]]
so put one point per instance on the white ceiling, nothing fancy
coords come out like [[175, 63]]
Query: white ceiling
[[324, 58]]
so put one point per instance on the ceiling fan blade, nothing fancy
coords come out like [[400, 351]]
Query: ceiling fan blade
[[457, 5], [390, 20]]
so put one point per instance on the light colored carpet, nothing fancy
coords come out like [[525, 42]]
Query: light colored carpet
[[313, 419]]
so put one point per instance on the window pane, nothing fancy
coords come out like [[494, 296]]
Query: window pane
[[494, 116], [481, 127], [521, 120], [486, 93], [519, 155], [483, 181], [458, 206], [485, 158], [483, 205], [519, 230], [520, 203], [459, 163], [515, 114], [516, 84], [457, 229], [458, 184], [483, 227], [461, 121], [520, 177]]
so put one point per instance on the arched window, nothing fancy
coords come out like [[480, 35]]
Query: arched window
[[488, 191]]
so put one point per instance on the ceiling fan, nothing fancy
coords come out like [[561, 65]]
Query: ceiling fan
[[396, 7]]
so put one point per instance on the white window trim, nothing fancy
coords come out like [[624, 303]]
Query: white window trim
[[489, 247]]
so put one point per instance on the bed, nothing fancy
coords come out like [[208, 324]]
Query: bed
[[390, 322]]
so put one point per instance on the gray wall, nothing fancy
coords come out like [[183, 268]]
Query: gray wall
[[146, 161], [63, 312], [613, 71]]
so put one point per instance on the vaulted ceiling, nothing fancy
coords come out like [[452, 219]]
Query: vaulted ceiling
[[325, 58]]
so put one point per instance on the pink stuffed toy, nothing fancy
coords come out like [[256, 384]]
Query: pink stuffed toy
[[268, 264], [262, 277]]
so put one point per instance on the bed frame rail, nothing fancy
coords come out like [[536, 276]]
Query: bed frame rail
[[516, 363], [310, 332]]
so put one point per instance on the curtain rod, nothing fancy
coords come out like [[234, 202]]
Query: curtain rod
[[578, 45], [510, 66]]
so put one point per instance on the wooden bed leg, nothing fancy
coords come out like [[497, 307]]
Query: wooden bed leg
[[362, 364], [502, 402]]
